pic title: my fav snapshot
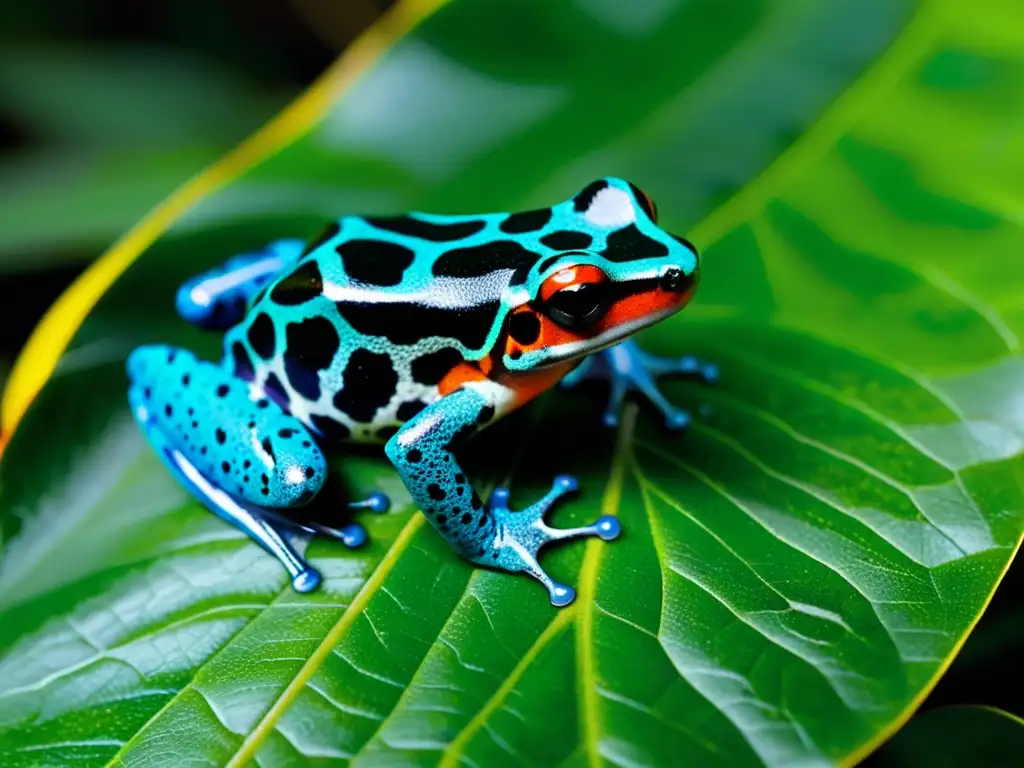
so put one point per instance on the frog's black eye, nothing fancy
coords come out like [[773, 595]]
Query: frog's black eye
[[578, 306], [645, 203]]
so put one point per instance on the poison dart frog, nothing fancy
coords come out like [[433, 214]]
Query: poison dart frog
[[415, 331]]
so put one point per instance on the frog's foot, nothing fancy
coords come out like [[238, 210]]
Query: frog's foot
[[520, 535], [628, 368], [218, 299]]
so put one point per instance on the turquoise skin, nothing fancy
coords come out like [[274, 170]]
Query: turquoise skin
[[415, 331]]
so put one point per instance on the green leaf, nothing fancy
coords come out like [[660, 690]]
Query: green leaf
[[796, 570], [956, 737]]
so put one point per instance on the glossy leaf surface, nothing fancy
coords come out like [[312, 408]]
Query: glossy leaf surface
[[795, 570]]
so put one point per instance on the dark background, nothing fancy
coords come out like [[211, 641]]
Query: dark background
[[88, 84]]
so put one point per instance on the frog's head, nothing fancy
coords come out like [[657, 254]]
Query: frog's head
[[620, 272]]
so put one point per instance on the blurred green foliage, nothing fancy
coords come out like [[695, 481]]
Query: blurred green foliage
[[107, 105], [114, 130]]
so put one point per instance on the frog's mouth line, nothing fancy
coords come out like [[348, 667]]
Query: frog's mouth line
[[563, 352]]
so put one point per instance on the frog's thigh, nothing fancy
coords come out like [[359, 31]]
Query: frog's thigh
[[235, 436]]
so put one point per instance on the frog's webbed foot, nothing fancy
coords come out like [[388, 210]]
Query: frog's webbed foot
[[628, 368], [520, 535]]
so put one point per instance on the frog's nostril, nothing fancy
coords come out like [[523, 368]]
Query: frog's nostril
[[673, 280]]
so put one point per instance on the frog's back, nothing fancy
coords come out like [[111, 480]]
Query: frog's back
[[362, 333]]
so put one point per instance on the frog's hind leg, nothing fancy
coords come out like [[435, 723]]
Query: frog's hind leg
[[218, 298], [627, 368], [304, 577], [235, 449]]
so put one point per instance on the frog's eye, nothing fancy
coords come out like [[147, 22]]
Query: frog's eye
[[578, 306], [645, 202], [577, 297]]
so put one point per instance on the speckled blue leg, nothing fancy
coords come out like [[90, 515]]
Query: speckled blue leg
[[627, 368], [248, 518], [235, 449], [217, 299], [424, 452]]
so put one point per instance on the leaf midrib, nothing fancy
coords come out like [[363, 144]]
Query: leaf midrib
[[348, 617], [586, 676]]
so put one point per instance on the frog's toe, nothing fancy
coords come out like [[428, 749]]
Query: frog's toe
[[521, 535], [352, 535], [677, 419], [561, 486], [561, 594], [608, 527], [688, 365], [709, 372], [611, 417], [306, 581], [376, 502], [566, 482]]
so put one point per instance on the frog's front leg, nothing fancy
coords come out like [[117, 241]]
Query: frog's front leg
[[235, 449], [627, 368], [424, 452]]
